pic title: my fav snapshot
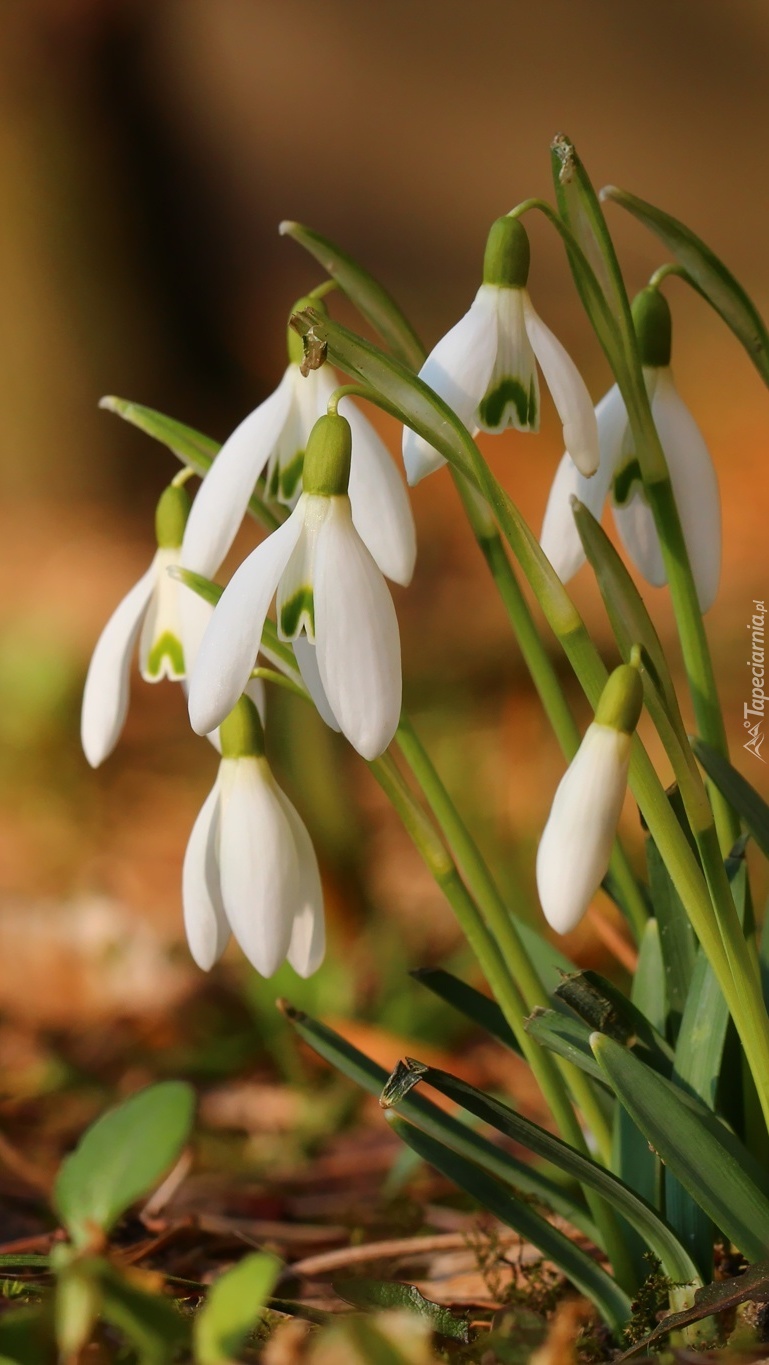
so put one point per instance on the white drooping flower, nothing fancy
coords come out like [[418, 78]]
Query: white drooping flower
[[250, 867], [692, 475], [272, 441], [332, 601], [485, 368], [149, 613], [574, 851]]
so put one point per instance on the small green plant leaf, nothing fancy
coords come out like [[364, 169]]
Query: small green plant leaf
[[121, 1157], [706, 273], [370, 298], [675, 1259], [738, 791], [232, 1308], [710, 1163], [191, 447], [611, 1301], [374, 1294], [421, 1111]]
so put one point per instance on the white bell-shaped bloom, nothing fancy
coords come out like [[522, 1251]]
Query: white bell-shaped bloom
[[692, 476], [149, 613], [272, 441], [331, 599], [250, 867], [574, 851], [485, 368]]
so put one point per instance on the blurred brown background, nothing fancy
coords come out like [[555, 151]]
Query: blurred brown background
[[148, 149]]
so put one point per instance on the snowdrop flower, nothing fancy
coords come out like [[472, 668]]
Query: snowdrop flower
[[250, 868], [272, 441], [149, 613], [574, 851], [692, 475], [485, 368], [332, 602]]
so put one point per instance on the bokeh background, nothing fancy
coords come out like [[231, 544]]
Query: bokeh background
[[148, 150]]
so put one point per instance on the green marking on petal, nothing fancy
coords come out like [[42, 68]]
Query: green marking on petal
[[297, 612], [624, 481], [507, 393], [166, 647], [290, 476]]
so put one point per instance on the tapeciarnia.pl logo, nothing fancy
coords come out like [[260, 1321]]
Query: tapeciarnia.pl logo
[[754, 711]]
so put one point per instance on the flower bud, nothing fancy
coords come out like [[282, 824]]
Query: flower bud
[[573, 855]]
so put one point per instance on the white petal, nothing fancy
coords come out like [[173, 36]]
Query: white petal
[[458, 369], [308, 935], [570, 395], [105, 697], [511, 397], [356, 633], [230, 645], [574, 851], [307, 661], [381, 510], [258, 864], [161, 650], [695, 485], [205, 921], [638, 534], [560, 539], [221, 503]]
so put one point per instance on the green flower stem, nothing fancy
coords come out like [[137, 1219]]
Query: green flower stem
[[691, 630], [497, 917], [507, 994], [542, 673]]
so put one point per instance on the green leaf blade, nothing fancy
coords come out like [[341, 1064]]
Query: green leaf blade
[[122, 1157], [370, 298], [232, 1308], [706, 272], [710, 1167]]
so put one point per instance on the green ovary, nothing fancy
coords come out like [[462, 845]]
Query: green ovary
[[167, 647], [509, 393]]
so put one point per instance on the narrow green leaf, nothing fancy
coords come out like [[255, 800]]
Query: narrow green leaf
[[370, 298], [611, 1301], [738, 791], [626, 609], [26, 1259], [473, 1004], [633, 1161], [191, 447], [708, 275], [661, 1239], [580, 209], [233, 1307], [604, 1007], [677, 940], [419, 1110], [377, 1294], [566, 1036], [123, 1156], [715, 1171]]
